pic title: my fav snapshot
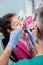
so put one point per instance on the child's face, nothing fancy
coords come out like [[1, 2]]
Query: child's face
[[16, 23]]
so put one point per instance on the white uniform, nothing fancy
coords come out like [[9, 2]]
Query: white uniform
[[31, 5], [37, 3], [28, 8]]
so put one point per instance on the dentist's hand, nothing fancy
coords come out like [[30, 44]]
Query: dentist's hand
[[14, 37], [31, 36]]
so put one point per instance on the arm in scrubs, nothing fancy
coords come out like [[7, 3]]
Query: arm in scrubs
[[37, 60]]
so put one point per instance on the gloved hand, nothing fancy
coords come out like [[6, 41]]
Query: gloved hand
[[31, 36], [14, 37]]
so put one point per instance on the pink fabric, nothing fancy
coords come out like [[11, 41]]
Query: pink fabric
[[21, 51], [24, 48], [26, 41], [28, 20], [31, 25]]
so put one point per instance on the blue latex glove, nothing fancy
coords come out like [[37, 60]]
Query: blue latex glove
[[14, 37], [31, 36]]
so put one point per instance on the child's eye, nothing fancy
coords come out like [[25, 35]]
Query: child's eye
[[15, 24]]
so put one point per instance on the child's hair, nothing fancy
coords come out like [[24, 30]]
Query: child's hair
[[4, 25]]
